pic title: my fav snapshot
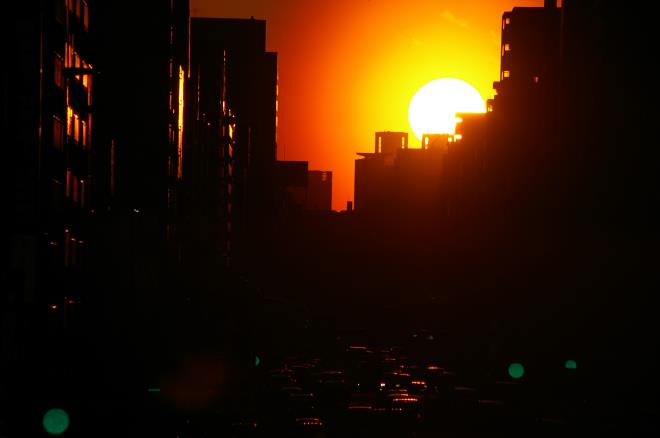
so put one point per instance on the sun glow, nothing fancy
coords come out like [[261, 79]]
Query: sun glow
[[433, 108]]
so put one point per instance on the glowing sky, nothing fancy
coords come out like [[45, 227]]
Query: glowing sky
[[348, 68]]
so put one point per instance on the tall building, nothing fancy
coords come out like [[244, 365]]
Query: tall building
[[232, 146], [230, 62], [142, 98], [291, 179], [608, 111], [210, 180], [251, 93], [524, 111], [47, 120]]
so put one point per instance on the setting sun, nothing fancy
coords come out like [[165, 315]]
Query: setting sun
[[433, 108]]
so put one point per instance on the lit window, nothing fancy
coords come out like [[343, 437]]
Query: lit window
[[76, 128], [89, 87], [180, 124], [506, 74], [85, 78], [84, 133], [507, 47], [83, 193], [67, 247], [85, 14], [69, 121], [536, 79], [74, 247], [58, 65], [68, 55], [58, 133]]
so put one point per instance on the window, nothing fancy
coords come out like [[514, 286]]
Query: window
[[60, 11], [69, 121], [536, 79], [85, 78], [89, 87], [507, 47], [75, 190], [506, 74], [68, 55], [58, 76], [85, 14], [67, 247], [58, 134], [89, 131], [67, 189], [83, 125], [76, 128], [74, 248], [83, 193]]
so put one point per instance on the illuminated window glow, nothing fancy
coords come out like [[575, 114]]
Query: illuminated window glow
[[180, 126]]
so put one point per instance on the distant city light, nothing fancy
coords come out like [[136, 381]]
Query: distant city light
[[153, 389], [516, 370], [56, 421], [570, 364]]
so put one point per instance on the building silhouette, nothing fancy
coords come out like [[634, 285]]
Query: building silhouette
[[47, 117], [141, 138], [319, 190], [291, 180], [397, 178]]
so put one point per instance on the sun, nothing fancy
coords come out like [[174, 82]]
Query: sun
[[433, 108]]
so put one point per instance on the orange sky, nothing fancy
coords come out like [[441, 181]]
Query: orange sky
[[349, 68]]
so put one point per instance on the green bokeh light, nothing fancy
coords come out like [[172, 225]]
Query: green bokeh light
[[56, 421], [430, 338], [257, 361], [516, 370], [570, 364]]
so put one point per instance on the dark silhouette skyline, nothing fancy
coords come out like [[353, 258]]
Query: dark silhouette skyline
[[164, 274]]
